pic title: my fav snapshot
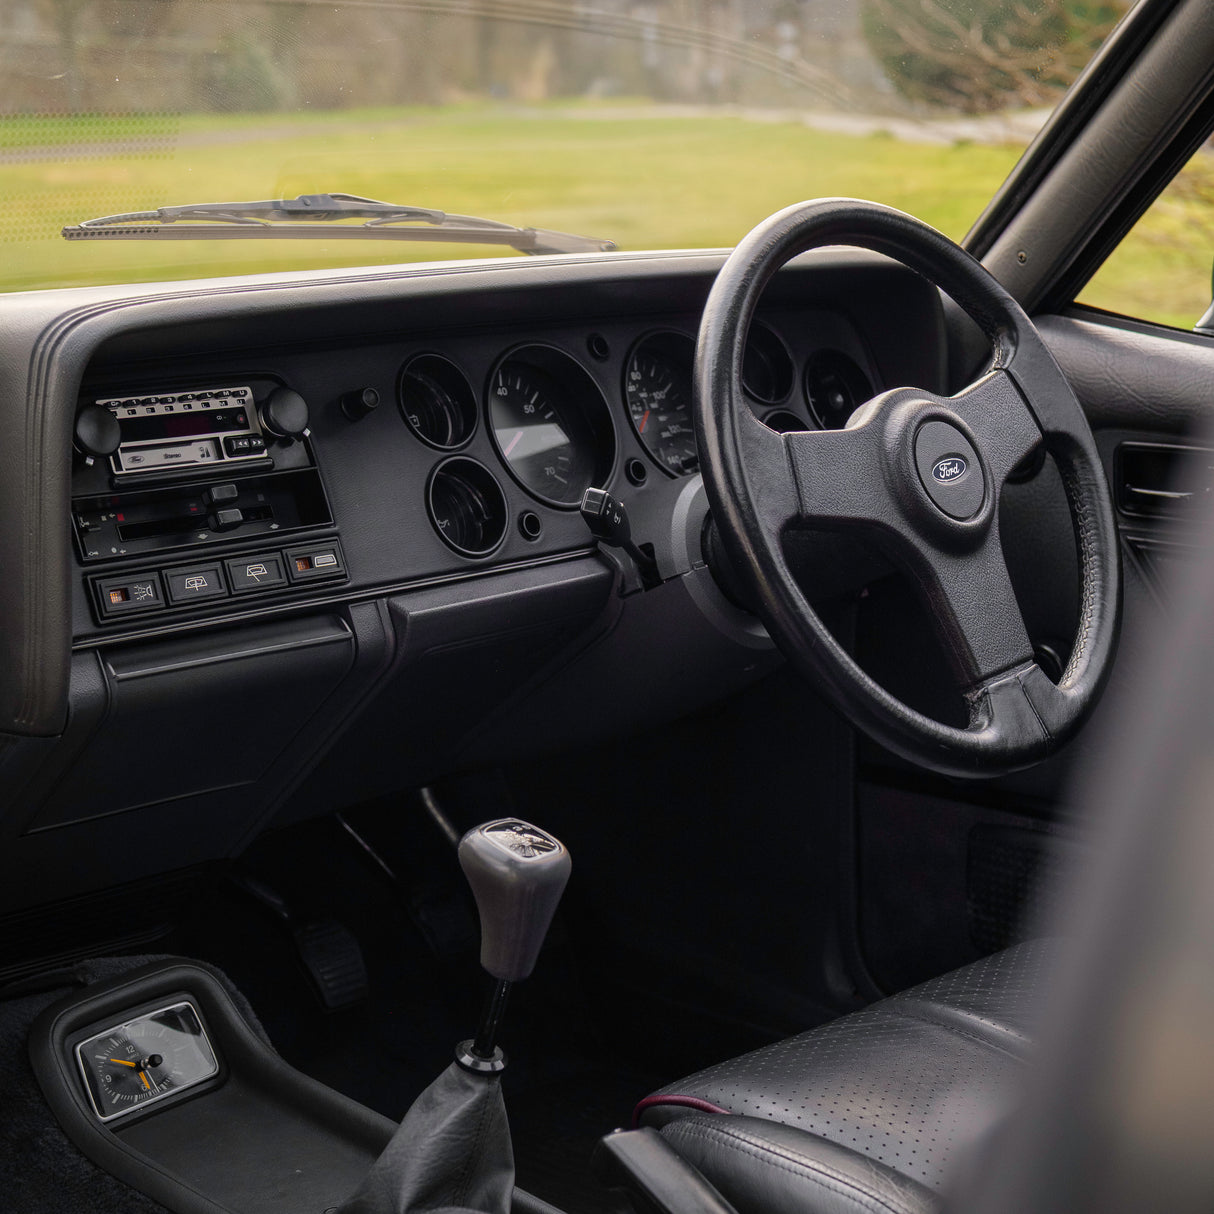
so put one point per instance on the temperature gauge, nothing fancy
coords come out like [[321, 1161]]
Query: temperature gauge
[[135, 1064]]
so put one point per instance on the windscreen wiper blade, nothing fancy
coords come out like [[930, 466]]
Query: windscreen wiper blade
[[298, 219]]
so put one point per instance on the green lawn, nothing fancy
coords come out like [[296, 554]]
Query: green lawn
[[1161, 271], [643, 181]]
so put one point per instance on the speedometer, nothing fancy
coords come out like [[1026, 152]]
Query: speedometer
[[657, 390]]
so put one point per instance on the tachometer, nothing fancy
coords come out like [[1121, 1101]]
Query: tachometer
[[541, 405], [657, 390]]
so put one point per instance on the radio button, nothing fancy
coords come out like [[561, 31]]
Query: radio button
[[194, 583], [262, 571], [236, 444]]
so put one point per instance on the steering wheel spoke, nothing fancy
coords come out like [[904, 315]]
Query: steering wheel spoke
[[1000, 418], [839, 476], [971, 602], [764, 450]]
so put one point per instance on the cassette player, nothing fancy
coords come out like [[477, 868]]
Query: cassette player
[[214, 427]]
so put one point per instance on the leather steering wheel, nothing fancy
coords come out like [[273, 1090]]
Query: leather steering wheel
[[922, 475]]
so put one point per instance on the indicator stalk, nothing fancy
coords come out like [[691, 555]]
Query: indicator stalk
[[608, 522]]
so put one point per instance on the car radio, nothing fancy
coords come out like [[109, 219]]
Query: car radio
[[215, 427]]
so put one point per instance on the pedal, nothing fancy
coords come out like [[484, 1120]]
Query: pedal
[[334, 961]]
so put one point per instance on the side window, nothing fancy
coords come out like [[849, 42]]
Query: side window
[[1161, 271]]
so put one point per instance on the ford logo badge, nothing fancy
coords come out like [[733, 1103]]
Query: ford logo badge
[[951, 468]]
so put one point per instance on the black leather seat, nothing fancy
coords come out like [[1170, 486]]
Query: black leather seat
[[871, 1111]]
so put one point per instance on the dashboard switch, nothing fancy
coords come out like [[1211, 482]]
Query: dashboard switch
[[193, 583], [309, 564], [225, 520], [261, 571], [133, 592], [357, 404], [220, 493]]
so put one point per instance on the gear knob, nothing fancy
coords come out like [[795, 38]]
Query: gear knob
[[517, 873]]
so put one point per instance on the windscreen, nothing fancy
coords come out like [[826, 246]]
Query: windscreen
[[656, 124]]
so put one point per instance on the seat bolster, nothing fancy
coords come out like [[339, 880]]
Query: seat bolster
[[764, 1167]]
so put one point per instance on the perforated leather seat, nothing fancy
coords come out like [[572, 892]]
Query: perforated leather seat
[[871, 1111]]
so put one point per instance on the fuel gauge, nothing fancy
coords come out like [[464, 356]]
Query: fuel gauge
[[141, 1061]]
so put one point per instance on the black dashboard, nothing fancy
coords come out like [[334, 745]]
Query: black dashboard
[[336, 551]]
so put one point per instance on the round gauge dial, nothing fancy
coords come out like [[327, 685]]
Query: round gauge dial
[[542, 432], [144, 1060], [657, 390], [835, 388], [436, 402], [767, 370], [467, 507]]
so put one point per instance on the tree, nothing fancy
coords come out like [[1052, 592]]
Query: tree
[[983, 55]]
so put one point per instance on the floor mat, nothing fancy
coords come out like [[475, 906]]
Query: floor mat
[[556, 1129]]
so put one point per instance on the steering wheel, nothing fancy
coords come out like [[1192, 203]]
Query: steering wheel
[[922, 475]]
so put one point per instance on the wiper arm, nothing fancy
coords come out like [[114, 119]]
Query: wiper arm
[[295, 219]]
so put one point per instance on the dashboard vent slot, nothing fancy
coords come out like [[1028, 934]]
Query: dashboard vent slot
[[1161, 480]]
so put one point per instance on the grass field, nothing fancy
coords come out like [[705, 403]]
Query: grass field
[[644, 181]]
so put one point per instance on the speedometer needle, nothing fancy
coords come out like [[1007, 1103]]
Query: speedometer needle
[[644, 419], [513, 443]]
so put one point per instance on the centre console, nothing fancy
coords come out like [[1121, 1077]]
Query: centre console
[[200, 496], [163, 1079]]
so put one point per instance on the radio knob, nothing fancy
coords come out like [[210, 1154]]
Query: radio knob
[[285, 413], [98, 433]]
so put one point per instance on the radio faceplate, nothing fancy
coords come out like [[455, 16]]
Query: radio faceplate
[[211, 427]]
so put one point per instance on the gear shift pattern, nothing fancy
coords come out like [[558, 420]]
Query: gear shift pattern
[[453, 1150]]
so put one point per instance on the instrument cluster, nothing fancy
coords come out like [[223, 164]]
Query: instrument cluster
[[551, 420]]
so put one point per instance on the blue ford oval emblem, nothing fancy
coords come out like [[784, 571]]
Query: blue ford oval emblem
[[951, 468]]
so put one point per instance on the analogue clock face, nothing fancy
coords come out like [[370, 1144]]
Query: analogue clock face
[[143, 1060]]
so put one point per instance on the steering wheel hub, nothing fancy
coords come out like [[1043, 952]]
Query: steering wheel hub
[[949, 469]]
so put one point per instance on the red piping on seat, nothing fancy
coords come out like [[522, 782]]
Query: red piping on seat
[[687, 1102]]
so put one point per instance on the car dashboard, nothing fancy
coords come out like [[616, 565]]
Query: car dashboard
[[279, 545]]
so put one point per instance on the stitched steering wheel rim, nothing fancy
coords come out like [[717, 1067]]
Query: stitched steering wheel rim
[[946, 534]]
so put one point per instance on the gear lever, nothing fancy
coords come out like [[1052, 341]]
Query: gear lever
[[453, 1149], [517, 874]]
